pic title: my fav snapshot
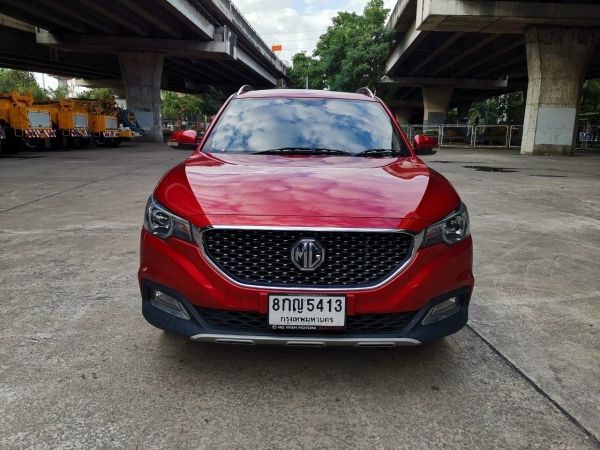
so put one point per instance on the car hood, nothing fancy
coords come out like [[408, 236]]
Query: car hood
[[303, 190]]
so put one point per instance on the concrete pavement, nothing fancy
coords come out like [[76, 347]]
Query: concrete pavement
[[79, 366]]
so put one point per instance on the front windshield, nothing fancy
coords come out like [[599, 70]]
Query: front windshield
[[271, 124]]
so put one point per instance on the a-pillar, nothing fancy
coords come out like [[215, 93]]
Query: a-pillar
[[436, 100], [404, 114], [142, 76], [557, 59]]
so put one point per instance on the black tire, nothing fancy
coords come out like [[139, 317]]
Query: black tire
[[116, 142], [4, 147], [9, 146], [58, 142], [84, 142], [31, 144], [100, 141]]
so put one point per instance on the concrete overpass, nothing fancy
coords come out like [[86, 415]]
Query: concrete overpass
[[143, 46], [452, 52]]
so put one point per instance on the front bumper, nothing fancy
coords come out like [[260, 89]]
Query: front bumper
[[181, 145], [200, 328]]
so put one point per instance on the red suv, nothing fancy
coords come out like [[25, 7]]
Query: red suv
[[305, 218]]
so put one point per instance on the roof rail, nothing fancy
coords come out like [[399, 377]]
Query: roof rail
[[365, 91], [245, 88]]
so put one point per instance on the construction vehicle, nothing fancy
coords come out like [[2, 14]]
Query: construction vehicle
[[106, 122], [2, 131], [71, 122], [26, 125], [104, 126], [129, 128]]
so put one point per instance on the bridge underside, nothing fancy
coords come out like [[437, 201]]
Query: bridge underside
[[450, 54], [485, 57], [195, 44]]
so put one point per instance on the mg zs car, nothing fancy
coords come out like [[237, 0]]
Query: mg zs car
[[306, 218]]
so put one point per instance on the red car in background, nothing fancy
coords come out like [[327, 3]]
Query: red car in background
[[183, 139], [306, 218]]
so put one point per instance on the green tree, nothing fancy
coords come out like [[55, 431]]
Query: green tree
[[21, 81], [354, 49], [590, 101], [58, 93], [351, 54], [212, 101], [306, 71], [175, 105], [98, 94]]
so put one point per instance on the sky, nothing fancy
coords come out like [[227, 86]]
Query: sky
[[296, 24]]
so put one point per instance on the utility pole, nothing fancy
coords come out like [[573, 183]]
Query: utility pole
[[306, 87]]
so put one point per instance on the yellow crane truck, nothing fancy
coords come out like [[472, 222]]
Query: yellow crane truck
[[71, 122], [26, 125]]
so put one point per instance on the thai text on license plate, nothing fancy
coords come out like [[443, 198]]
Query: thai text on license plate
[[307, 312]]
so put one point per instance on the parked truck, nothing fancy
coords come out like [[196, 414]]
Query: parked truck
[[2, 131], [108, 122], [70, 121], [26, 126]]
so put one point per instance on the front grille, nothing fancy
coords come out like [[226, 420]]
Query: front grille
[[252, 321], [263, 257]]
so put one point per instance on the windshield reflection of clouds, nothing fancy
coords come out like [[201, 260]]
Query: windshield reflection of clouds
[[254, 125]]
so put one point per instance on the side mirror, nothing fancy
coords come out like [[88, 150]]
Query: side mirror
[[425, 145]]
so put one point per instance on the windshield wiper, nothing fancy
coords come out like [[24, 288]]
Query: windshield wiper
[[302, 151], [379, 152]]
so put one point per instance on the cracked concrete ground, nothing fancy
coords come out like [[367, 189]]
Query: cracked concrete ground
[[79, 366]]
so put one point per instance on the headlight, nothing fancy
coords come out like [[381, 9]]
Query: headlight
[[162, 223], [451, 229]]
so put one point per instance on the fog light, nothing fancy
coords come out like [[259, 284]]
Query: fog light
[[442, 310], [169, 305]]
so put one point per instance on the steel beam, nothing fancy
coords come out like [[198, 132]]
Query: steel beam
[[223, 49], [23, 11], [459, 83], [404, 48], [189, 15], [484, 16], [519, 42], [434, 53], [116, 15], [244, 57], [450, 62], [162, 23], [67, 10]]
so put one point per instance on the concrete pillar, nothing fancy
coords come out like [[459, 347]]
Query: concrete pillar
[[142, 76], [404, 114], [557, 59], [436, 100]]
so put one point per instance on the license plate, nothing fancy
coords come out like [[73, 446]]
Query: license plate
[[307, 312]]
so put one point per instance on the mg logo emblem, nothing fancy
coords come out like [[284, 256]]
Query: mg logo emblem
[[307, 254]]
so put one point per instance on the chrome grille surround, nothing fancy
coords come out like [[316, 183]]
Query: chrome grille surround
[[415, 242]]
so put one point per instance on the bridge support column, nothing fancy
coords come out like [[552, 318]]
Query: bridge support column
[[142, 76], [557, 59], [436, 100]]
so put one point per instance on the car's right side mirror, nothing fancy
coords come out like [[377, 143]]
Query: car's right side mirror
[[425, 145]]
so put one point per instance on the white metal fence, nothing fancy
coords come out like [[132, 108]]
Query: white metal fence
[[475, 136], [493, 136]]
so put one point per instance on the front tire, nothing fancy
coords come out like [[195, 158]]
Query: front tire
[[31, 144], [100, 141]]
